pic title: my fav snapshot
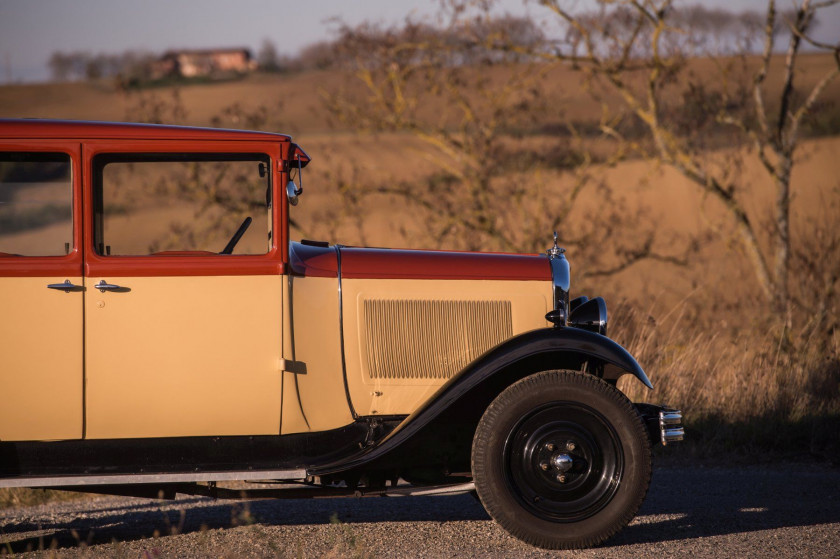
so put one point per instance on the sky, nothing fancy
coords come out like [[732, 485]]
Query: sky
[[31, 30]]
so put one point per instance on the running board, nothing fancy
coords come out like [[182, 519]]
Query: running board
[[429, 491], [130, 479], [303, 491]]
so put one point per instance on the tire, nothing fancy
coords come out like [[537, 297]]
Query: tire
[[521, 449]]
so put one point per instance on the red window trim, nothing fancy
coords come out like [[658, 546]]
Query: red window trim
[[216, 265], [69, 265], [271, 263]]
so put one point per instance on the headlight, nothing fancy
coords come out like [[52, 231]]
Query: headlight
[[590, 315]]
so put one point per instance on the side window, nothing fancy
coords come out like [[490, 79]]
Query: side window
[[153, 204], [36, 204]]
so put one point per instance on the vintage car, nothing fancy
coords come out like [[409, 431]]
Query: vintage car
[[161, 334]]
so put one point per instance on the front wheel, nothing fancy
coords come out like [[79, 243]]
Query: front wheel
[[561, 460]]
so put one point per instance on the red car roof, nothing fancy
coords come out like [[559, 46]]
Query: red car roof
[[45, 128]]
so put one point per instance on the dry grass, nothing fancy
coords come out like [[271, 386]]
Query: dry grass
[[24, 497], [750, 391]]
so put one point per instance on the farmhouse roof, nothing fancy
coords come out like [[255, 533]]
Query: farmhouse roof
[[176, 52]]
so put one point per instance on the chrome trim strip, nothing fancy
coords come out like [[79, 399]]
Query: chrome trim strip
[[341, 333], [561, 282], [127, 479]]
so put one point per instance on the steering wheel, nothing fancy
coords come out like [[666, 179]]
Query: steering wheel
[[236, 236]]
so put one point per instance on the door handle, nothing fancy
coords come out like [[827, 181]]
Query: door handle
[[104, 286], [66, 287]]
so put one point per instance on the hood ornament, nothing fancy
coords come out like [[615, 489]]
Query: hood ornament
[[560, 279], [555, 251]]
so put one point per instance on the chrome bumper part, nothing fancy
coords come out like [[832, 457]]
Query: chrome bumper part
[[670, 426]]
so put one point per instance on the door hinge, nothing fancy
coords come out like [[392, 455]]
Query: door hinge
[[289, 366]]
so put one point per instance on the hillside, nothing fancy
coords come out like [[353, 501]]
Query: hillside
[[294, 104]]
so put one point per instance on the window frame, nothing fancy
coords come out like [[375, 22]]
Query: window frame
[[270, 263], [70, 264], [100, 239]]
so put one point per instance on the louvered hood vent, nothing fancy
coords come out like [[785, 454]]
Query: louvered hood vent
[[411, 339]]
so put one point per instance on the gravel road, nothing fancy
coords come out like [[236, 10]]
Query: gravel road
[[787, 510]]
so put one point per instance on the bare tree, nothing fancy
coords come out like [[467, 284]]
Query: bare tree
[[153, 108], [633, 50], [779, 134], [320, 55], [81, 65], [61, 66], [461, 89], [69, 65], [268, 60]]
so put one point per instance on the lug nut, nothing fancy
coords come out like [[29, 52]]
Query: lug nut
[[561, 478], [549, 447], [544, 466], [570, 445]]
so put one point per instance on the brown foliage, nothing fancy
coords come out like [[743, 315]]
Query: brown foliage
[[463, 90]]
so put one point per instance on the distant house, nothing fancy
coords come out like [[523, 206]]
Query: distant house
[[203, 63]]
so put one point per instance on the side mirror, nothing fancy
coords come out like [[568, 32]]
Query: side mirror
[[292, 192]]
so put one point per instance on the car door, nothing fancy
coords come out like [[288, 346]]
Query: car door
[[41, 296], [182, 325]]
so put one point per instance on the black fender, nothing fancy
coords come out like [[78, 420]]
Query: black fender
[[463, 399]]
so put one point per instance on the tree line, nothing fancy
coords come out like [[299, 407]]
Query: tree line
[[726, 31], [84, 65]]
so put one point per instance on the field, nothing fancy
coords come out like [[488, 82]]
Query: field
[[749, 380]]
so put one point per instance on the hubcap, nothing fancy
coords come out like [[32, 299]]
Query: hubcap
[[563, 461]]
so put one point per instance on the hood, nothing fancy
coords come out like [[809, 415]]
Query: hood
[[380, 263]]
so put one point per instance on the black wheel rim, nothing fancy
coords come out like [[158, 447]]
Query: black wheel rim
[[563, 462]]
